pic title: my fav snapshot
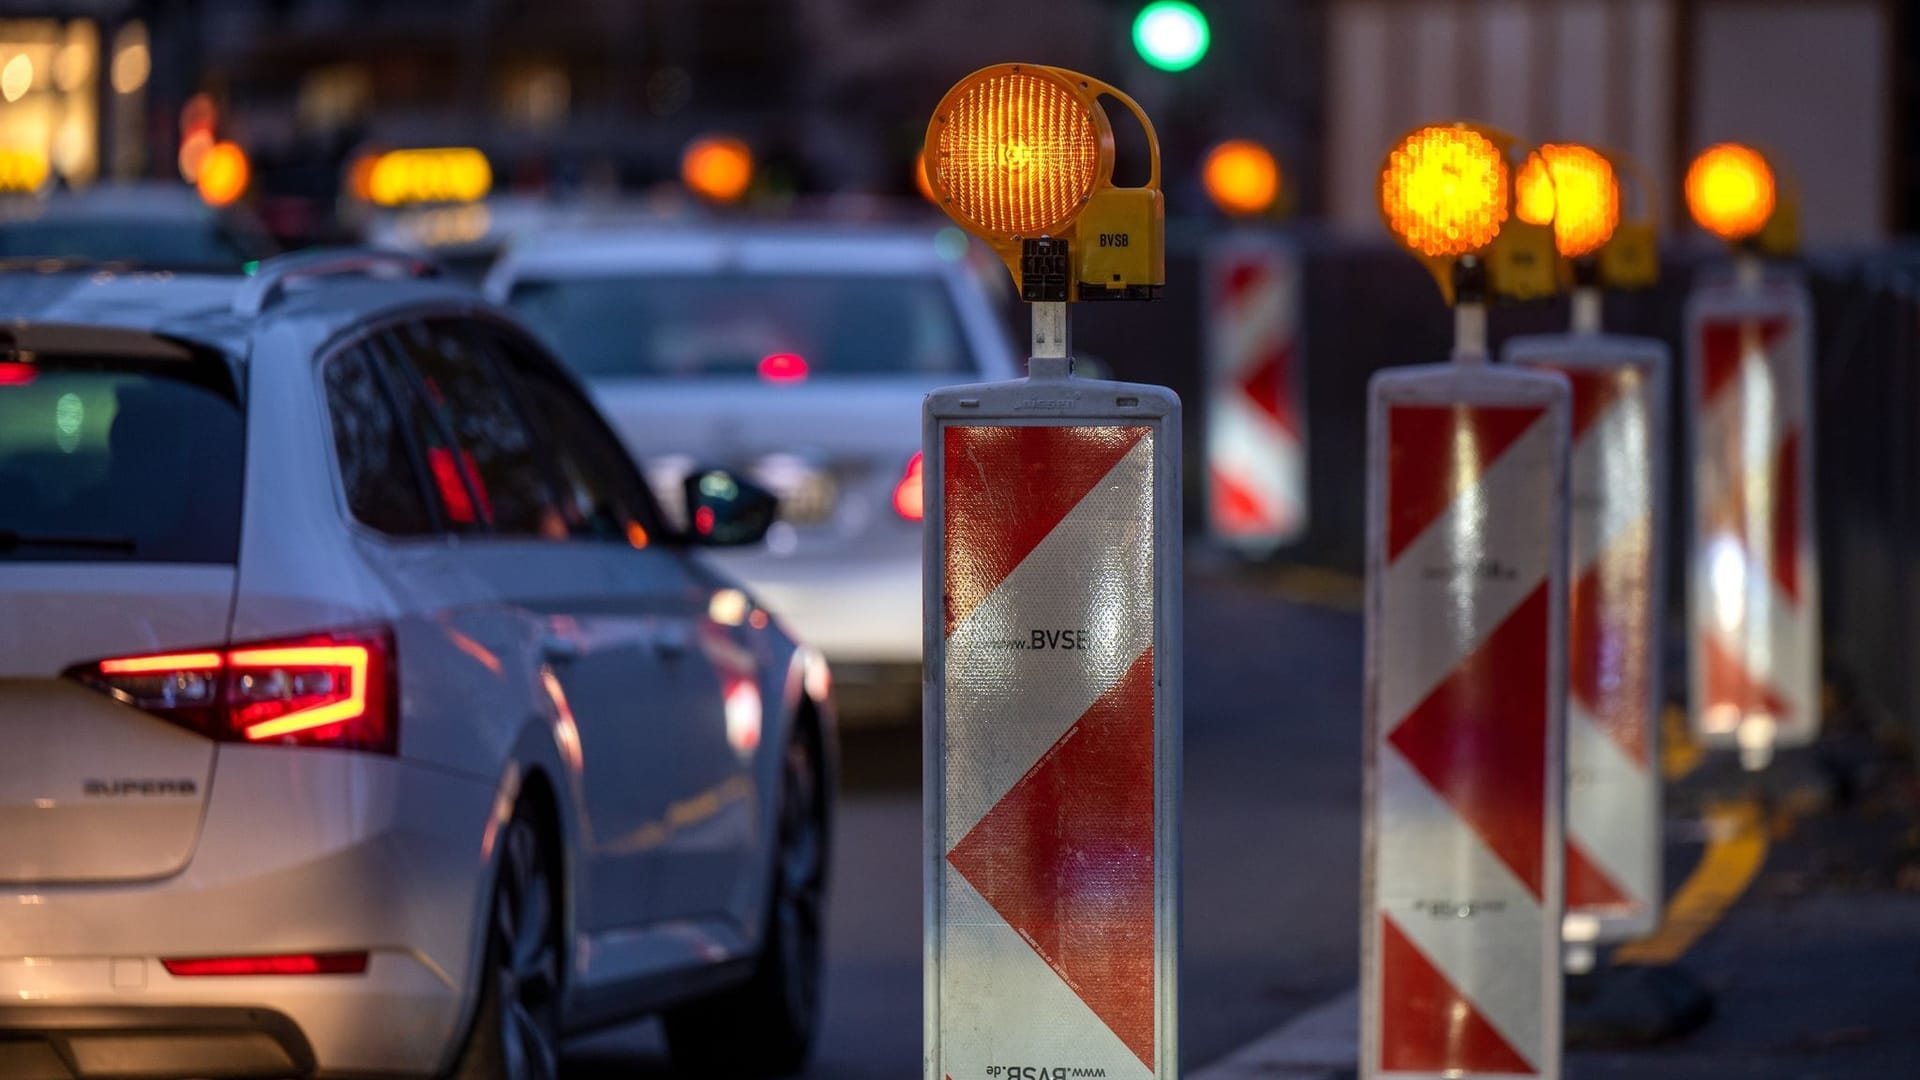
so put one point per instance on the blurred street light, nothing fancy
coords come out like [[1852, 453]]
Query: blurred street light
[[16, 78], [1172, 35], [718, 168], [131, 61], [224, 174], [1242, 178]]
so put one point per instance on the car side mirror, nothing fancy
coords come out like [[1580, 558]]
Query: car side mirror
[[724, 510]]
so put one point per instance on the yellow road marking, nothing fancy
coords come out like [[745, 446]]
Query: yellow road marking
[[1736, 849], [1679, 754]]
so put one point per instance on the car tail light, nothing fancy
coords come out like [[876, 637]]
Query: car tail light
[[783, 368], [17, 374], [907, 494], [345, 963], [335, 690]]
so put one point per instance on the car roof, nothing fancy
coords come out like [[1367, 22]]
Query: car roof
[[205, 308], [710, 248], [144, 201]]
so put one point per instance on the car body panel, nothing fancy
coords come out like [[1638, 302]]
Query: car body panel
[[594, 671]]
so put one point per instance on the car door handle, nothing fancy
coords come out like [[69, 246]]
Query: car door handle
[[559, 650], [671, 642]]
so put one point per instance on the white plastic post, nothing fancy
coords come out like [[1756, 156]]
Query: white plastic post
[[1753, 574], [1256, 475], [1052, 703], [1617, 529], [1466, 660]]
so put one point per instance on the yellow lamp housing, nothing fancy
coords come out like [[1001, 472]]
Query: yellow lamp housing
[[1630, 259], [1021, 155], [1447, 193]]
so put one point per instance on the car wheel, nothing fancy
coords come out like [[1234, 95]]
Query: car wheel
[[766, 1027], [516, 1029]]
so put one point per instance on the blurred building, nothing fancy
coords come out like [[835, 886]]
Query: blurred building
[[1812, 81]]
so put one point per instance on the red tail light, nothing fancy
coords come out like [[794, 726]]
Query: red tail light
[[16, 374], [335, 690], [907, 500], [352, 963], [783, 367]]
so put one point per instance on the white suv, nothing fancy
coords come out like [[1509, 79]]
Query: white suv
[[798, 355], [358, 714]]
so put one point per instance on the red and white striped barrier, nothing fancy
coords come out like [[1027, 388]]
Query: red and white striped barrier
[[1466, 667], [1255, 405], [1753, 575], [1616, 530], [1052, 704]]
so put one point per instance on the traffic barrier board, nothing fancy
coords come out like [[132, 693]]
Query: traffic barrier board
[[1616, 544], [1256, 420], [1466, 665], [1053, 721], [1753, 591]]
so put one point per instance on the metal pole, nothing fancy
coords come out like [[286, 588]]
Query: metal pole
[[1052, 342]]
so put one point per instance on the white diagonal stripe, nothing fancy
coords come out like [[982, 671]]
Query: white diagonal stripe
[[1428, 865], [1007, 703], [1001, 1004], [1460, 579], [1612, 806]]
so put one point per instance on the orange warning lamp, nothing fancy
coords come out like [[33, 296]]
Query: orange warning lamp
[[718, 168], [1242, 178], [1446, 193], [224, 174], [1585, 196], [1021, 153], [1730, 191]]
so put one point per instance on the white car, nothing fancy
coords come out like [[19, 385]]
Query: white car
[[361, 715], [799, 356]]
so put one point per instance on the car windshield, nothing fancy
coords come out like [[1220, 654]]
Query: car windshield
[[104, 458], [186, 245], [782, 327]]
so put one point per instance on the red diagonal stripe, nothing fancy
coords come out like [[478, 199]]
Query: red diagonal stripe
[[1426, 1024], [1730, 684], [1722, 341], [1786, 516], [1006, 489], [1480, 738], [1236, 509], [1588, 886], [1066, 857], [1239, 279], [1269, 385], [1607, 653], [1435, 452], [1595, 391]]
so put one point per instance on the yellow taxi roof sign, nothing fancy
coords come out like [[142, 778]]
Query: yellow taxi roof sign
[[448, 174]]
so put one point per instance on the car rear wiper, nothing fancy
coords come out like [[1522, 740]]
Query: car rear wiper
[[12, 540]]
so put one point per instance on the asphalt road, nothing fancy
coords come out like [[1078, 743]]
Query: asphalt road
[[1271, 836]]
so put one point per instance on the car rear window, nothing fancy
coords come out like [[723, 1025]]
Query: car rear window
[[729, 325], [121, 459]]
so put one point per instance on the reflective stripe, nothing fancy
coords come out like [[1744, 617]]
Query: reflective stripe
[[1466, 657]]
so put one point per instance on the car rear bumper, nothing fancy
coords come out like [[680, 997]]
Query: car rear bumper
[[82, 1043], [855, 614], [302, 851]]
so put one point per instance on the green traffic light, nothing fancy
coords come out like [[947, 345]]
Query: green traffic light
[[1172, 35]]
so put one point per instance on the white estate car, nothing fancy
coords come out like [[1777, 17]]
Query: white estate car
[[798, 356], [358, 713]]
